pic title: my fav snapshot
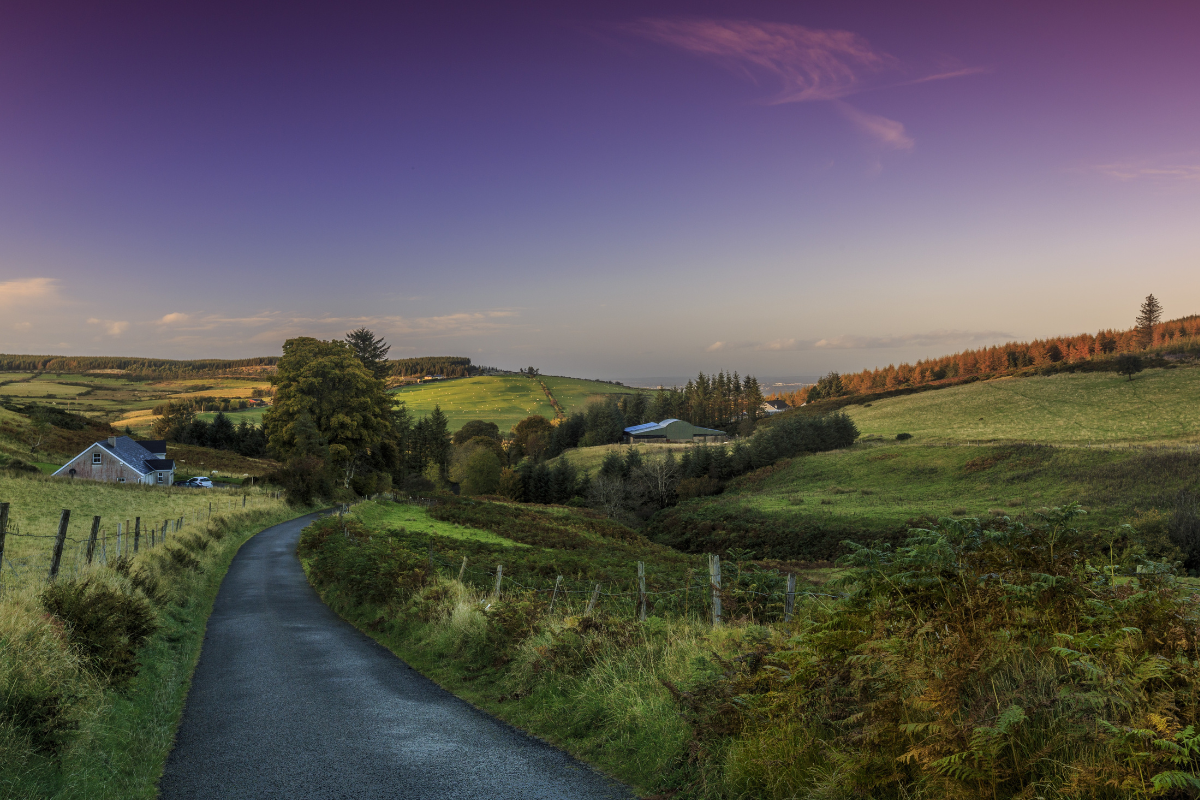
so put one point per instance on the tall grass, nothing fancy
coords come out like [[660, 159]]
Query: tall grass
[[78, 719], [982, 658]]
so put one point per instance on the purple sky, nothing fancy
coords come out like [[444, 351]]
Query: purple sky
[[607, 189]]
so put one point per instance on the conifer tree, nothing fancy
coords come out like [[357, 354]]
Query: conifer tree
[[1149, 315]]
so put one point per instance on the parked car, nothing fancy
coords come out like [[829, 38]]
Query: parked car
[[200, 482]]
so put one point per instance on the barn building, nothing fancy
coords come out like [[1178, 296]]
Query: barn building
[[672, 431], [122, 460]]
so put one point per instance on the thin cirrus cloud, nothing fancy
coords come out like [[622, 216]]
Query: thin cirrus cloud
[[22, 291], [272, 327], [804, 64], [1174, 169], [947, 338]]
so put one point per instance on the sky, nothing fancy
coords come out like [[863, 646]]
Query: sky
[[607, 190]]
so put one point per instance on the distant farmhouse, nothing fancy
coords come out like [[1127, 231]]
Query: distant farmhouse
[[122, 460], [774, 406], [672, 431]]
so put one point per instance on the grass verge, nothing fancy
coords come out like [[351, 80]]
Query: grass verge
[[115, 740]]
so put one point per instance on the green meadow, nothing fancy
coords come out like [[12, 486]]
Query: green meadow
[[36, 503], [1095, 407], [416, 519], [502, 399]]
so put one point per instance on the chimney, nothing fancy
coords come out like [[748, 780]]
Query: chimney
[[112, 441]]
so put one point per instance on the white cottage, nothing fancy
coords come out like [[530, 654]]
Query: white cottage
[[122, 460]]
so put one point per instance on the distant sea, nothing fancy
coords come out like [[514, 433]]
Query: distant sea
[[768, 383]]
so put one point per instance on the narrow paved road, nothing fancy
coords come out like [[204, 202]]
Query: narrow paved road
[[290, 701]]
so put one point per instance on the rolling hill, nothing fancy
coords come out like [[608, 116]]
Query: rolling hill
[[502, 399]]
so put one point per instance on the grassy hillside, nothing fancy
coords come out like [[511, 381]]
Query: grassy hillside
[[502, 399], [1097, 407], [805, 508], [123, 400], [36, 503]]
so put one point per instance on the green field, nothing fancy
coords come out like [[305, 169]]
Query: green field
[[1158, 405], [502, 399], [250, 415], [416, 519], [36, 503]]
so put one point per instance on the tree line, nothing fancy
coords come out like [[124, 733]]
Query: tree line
[[136, 367], [1148, 333]]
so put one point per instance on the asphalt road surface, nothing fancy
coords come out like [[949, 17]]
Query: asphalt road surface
[[290, 701]]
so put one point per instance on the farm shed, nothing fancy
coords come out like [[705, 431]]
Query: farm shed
[[672, 431], [122, 460], [774, 406]]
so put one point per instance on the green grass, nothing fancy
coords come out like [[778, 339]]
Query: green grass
[[589, 459], [416, 519], [807, 507], [504, 399], [124, 738], [1094, 407], [250, 415], [37, 389], [36, 503]]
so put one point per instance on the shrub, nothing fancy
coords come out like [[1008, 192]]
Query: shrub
[[901, 437], [1184, 528], [703, 486], [43, 688], [105, 621]]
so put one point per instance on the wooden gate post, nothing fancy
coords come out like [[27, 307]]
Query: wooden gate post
[[714, 580], [91, 545], [3, 530], [591, 606], [58, 542], [790, 603], [641, 591], [554, 595], [499, 576]]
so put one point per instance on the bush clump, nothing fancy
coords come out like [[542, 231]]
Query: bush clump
[[105, 621]]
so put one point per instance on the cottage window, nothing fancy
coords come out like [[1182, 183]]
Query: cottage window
[[160, 477], [120, 480], [96, 458]]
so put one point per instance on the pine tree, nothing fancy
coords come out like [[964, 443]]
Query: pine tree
[[371, 351], [1149, 316]]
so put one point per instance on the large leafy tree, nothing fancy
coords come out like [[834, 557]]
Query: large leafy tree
[[346, 404], [371, 350]]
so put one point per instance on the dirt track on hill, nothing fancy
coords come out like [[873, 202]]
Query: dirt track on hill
[[290, 701]]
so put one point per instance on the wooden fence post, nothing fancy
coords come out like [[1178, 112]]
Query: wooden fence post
[[137, 533], [58, 542], [243, 501], [554, 595], [499, 576], [162, 539], [591, 606], [790, 603], [3, 530], [91, 546], [714, 580], [128, 530], [641, 591], [462, 570]]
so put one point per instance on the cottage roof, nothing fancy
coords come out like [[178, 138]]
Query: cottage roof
[[163, 464], [154, 445], [130, 452]]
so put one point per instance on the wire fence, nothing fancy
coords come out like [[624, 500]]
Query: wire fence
[[65, 555], [725, 592]]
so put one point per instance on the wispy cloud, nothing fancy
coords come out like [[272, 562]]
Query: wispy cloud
[[172, 318], [805, 63], [273, 327], [802, 64], [945, 338], [887, 132], [1167, 170], [21, 291], [111, 327]]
